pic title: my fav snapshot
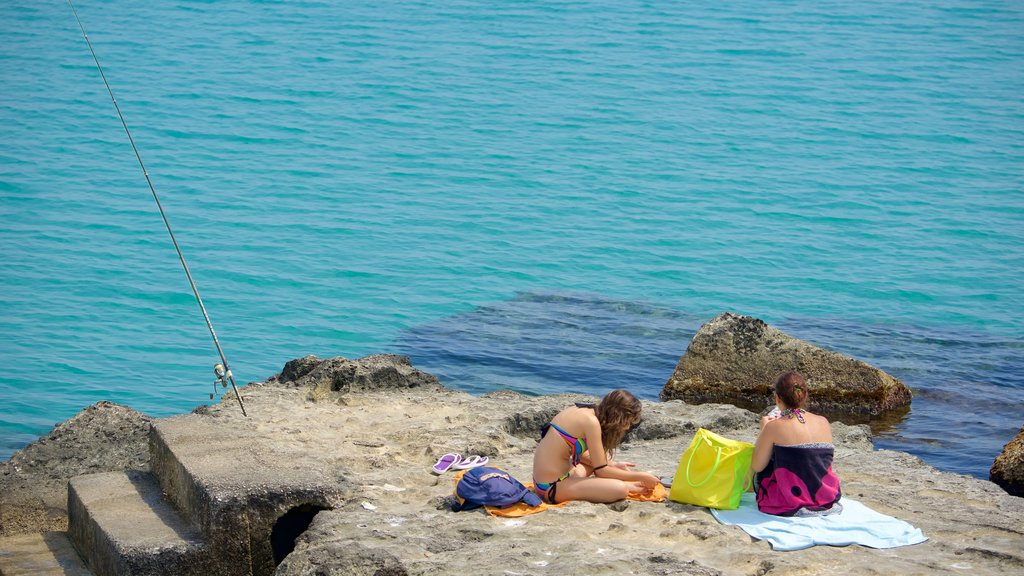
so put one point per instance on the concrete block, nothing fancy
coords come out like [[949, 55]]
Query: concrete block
[[234, 483], [123, 526]]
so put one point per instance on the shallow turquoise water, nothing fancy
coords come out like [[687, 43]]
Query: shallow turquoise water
[[545, 196]]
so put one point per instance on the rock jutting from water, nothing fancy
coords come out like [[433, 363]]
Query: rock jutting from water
[[1008, 468], [736, 359]]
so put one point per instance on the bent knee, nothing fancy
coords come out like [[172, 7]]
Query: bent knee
[[626, 490], [622, 491]]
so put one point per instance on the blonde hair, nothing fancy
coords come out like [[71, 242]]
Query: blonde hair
[[616, 412]]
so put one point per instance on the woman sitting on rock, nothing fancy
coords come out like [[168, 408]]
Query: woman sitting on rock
[[793, 456], [573, 460]]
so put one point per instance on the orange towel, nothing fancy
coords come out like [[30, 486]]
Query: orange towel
[[658, 494]]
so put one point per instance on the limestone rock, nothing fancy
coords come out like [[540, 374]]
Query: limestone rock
[[104, 437], [1008, 468], [347, 557], [387, 512], [736, 359], [333, 376]]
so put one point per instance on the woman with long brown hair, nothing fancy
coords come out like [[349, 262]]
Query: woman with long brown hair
[[573, 459]]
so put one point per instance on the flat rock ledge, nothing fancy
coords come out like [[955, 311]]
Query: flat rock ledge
[[395, 517], [736, 359], [1008, 468]]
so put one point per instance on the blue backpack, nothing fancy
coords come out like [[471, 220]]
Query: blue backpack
[[488, 486]]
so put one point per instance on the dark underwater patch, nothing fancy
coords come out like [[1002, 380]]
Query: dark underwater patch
[[967, 386]]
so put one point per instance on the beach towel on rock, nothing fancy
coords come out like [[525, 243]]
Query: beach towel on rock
[[856, 524], [521, 509]]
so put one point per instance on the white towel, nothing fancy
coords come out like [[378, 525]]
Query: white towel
[[856, 524]]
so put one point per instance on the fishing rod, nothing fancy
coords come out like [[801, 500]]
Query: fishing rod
[[222, 371]]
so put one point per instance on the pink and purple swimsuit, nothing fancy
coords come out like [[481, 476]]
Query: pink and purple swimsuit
[[799, 481]]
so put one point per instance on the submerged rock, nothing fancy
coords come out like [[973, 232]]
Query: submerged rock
[[736, 359], [1008, 468]]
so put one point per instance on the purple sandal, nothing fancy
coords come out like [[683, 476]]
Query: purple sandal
[[445, 463], [471, 462]]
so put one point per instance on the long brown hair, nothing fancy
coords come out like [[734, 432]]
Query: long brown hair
[[616, 412]]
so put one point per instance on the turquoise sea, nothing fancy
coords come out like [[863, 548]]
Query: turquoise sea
[[545, 196]]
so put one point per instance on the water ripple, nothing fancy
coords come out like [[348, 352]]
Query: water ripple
[[340, 175]]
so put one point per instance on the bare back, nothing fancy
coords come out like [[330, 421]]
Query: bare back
[[789, 431]]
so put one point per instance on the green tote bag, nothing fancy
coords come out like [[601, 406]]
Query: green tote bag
[[713, 472]]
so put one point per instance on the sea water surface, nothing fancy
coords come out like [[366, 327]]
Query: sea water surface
[[543, 196]]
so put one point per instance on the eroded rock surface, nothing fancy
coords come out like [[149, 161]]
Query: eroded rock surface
[[323, 377], [1008, 468], [394, 517], [736, 359], [104, 437]]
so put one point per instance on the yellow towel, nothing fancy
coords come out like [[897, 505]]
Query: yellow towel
[[658, 494]]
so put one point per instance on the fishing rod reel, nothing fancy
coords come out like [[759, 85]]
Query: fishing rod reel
[[222, 377]]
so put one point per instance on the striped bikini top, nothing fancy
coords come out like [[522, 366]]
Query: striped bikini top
[[577, 445]]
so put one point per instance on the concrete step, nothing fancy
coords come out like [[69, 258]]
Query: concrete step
[[122, 525], [46, 554], [235, 482]]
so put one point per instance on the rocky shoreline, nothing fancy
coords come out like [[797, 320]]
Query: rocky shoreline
[[374, 426], [34, 481]]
